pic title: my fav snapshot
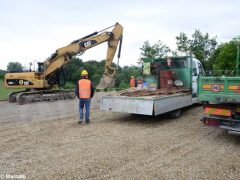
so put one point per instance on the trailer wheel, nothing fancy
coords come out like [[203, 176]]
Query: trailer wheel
[[175, 114]]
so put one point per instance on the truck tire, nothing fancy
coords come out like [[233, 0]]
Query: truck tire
[[175, 114]]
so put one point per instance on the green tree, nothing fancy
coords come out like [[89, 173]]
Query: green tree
[[211, 61], [183, 43], [96, 69], [156, 50], [95, 79], [125, 73], [74, 69], [224, 57], [14, 67], [2, 74], [200, 45], [123, 85]]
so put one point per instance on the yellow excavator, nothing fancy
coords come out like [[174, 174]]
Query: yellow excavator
[[42, 84]]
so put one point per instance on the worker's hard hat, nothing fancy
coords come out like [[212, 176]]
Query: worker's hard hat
[[132, 76], [84, 72]]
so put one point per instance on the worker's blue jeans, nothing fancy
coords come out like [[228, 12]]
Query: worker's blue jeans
[[84, 103]]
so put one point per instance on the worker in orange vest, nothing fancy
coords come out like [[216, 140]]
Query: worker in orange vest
[[133, 81], [84, 91]]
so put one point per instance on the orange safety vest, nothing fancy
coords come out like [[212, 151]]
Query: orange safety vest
[[84, 88], [132, 82]]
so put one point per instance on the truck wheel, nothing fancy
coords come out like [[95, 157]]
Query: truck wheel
[[175, 114]]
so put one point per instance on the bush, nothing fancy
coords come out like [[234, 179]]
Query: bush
[[95, 79], [2, 74], [123, 85], [69, 85]]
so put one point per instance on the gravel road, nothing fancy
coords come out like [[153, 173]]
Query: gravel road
[[44, 141]]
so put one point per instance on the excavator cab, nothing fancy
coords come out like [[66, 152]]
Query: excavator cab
[[40, 67]]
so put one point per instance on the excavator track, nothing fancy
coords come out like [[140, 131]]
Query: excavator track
[[43, 95], [12, 97]]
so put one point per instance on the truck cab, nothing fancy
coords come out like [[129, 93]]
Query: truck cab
[[197, 70]]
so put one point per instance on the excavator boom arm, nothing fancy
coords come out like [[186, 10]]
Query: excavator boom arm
[[63, 55]]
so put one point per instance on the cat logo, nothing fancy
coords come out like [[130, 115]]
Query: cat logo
[[87, 43], [215, 88], [20, 82]]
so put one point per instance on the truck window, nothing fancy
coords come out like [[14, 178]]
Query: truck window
[[181, 63]]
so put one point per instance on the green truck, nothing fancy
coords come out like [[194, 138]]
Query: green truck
[[221, 100]]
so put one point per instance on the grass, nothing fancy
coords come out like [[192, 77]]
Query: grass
[[4, 91]]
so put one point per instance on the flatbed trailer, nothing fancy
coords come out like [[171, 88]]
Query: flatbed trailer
[[164, 99]]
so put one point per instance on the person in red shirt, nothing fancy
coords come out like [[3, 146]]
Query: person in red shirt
[[133, 81]]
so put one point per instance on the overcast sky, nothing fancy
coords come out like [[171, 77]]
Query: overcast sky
[[32, 30]]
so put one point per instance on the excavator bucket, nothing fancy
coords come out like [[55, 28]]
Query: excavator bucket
[[107, 81]]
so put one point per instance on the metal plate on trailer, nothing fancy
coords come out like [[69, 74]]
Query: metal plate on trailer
[[172, 103], [127, 105], [145, 105]]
